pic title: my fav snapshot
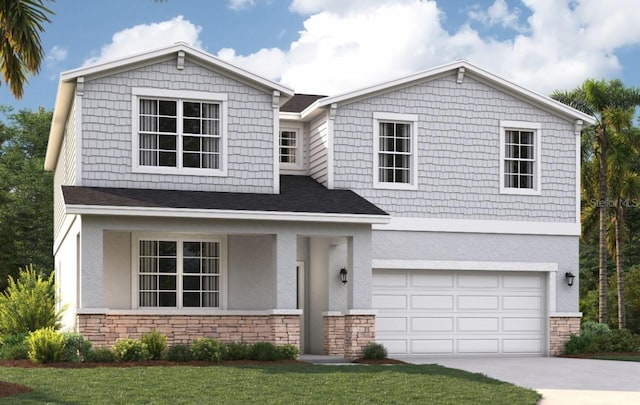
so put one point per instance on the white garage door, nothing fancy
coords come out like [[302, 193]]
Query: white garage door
[[423, 312]]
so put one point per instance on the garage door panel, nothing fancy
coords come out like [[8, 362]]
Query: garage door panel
[[531, 303], [522, 281], [439, 324], [522, 325], [478, 346], [432, 346], [389, 301], [478, 302], [460, 312], [477, 324], [432, 302], [390, 278], [477, 281], [523, 346], [394, 346], [432, 280]]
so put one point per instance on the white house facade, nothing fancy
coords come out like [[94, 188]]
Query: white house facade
[[437, 214]]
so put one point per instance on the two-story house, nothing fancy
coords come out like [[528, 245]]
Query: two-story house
[[437, 214]]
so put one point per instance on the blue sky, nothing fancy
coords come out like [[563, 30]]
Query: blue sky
[[333, 46]]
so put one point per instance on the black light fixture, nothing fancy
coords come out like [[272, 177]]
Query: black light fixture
[[343, 275], [569, 276]]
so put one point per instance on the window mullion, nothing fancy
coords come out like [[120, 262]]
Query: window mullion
[[179, 128], [179, 270]]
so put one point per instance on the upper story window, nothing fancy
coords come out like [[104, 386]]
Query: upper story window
[[395, 151], [290, 147], [519, 157], [179, 132], [178, 272]]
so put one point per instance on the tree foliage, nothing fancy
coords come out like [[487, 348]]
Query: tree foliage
[[21, 52], [26, 193]]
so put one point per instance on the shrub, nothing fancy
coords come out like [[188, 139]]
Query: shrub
[[207, 349], [288, 352], [374, 351], [601, 341], [577, 344], [592, 328], [75, 347], [130, 350], [28, 303], [236, 351], [101, 355], [45, 346], [14, 347], [156, 344], [264, 351], [179, 353]]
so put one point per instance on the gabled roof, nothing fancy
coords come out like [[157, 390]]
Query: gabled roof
[[462, 67], [300, 198], [299, 102], [68, 80]]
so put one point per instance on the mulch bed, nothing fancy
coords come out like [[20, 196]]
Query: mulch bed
[[7, 389]]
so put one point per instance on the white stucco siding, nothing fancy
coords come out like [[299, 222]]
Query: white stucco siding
[[117, 269], [458, 154], [488, 248], [66, 270], [250, 276], [107, 133]]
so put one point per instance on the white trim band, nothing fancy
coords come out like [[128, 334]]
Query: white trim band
[[479, 226], [198, 312], [462, 265]]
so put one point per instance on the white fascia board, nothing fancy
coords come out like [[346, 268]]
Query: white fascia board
[[409, 264], [224, 214], [479, 226], [204, 56], [289, 116], [64, 98], [454, 66]]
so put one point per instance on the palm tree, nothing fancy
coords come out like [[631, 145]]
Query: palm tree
[[21, 53], [600, 99]]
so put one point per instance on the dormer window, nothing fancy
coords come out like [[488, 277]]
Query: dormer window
[[290, 147], [179, 132]]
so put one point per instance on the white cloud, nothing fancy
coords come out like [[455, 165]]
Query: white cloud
[[350, 44], [56, 54], [240, 4], [145, 37]]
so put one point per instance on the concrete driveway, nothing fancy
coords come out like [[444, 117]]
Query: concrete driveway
[[559, 380]]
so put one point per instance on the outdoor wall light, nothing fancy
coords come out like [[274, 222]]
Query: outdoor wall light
[[343, 275], [569, 276]]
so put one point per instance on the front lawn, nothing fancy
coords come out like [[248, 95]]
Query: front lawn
[[263, 384]]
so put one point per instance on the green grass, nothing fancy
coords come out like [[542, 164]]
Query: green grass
[[618, 357], [272, 384]]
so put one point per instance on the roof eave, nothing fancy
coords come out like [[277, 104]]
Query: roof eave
[[61, 109]]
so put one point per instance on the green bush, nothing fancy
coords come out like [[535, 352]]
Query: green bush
[[179, 353], [288, 352], [14, 347], [592, 328], [264, 351], [45, 346], [236, 351], [578, 344], [207, 349], [101, 355], [599, 340], [130, 350], [374, 351], [75, 347], [156, 344], [29, 303]]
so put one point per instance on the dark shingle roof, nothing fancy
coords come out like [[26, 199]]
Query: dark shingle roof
[[299, 102], [297, 194]]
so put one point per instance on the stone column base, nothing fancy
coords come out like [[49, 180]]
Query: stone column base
[[347, 334], [561, 327]]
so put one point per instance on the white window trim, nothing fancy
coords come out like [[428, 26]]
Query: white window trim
[[136, 237], [299, 165], [520, 126], [178, 95], [411, 119]]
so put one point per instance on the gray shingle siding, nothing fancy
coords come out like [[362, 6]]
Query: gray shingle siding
[[459, 153], [107, 154], [65, 173]]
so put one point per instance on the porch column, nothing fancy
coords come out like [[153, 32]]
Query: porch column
[[359, 268], [285, 271], [91, 269]]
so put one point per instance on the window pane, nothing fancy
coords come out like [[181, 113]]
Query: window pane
[[191, 283], [210, 299], [166, 124], [167, 265], [210, 144], [526, 152], [191, 249], [148, 282], [526, 167], [211, 111], [402, 131], [148, 265], [210, 127], [167, 283], [191, 265], [511, 151], [148, 299], [386, 129], [526, 182], [148, 107], [402, 161], [167, 142], [167, 299], [210, 249], [191, 143], [191, 299], [167, 248], [167, 107], [191, 160], [167, 159], [191, 126], [210, 283], [526, 138], [191, 109]]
